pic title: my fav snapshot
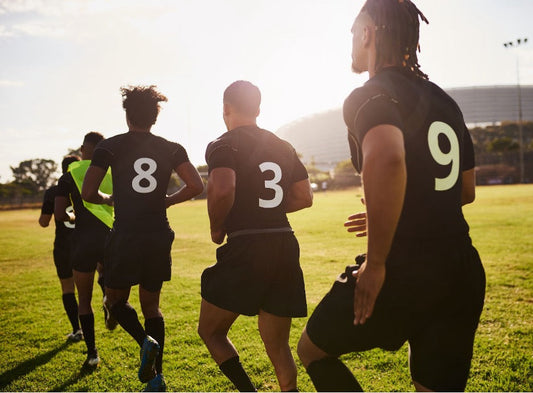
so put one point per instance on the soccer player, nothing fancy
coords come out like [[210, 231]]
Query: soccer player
[[138, 250], [88, 244], [255, 178], [422, 280], [62, 247]]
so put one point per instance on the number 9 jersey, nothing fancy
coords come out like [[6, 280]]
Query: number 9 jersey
[[438, 148], [141, 165], [265, 168]]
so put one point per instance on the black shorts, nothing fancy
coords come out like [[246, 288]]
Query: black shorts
[[62, 249], [133, 258], [257, 272], [437, 316], [87, 249]]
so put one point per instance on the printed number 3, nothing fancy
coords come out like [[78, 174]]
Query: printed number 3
[[272, 184], [452, 157], [143, 174]]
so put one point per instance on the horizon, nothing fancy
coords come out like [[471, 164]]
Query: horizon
[[64, 62]]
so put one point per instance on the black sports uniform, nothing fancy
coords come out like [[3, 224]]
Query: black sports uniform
[[63, 236], [434, 287], [138, 251], [88, 239], [258, 268]]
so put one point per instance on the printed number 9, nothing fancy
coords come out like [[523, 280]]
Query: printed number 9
[[144, 174], [452, 157], [272, 184]]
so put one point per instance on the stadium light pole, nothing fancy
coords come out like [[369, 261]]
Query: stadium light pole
[[515, 44]]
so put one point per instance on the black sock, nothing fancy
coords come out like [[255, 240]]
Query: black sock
[[155, 327], [331, 375], [232, 368], [101, 283], [126, 316], [71, 307], [87, 325]]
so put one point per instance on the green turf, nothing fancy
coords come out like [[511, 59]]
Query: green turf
[[35, 356]]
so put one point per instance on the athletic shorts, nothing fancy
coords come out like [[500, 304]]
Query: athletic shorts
[[62, 261], [87, 249], [133, 258], [257, 272], [438, 316]]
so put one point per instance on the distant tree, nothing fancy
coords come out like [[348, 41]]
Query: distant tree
[[345, 175], [503, 144], [35, 174]]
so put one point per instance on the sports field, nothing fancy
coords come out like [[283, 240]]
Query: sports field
[[35, 357]]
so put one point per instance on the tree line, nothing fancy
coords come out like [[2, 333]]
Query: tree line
[[496, 148]]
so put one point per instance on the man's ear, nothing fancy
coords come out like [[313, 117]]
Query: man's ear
[[226, 109], [367, 35]]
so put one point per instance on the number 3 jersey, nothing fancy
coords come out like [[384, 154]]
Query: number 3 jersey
[[265, 168], [141, 165], [438, 148]]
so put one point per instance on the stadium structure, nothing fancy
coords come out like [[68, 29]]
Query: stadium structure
[[321, 138]]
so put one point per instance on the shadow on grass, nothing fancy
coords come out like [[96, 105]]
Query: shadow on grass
[[29, 365], [84, 371]]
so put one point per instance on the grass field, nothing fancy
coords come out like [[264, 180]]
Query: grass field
[[35, 356]]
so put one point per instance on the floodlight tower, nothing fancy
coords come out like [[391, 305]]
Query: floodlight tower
[[515, 44]]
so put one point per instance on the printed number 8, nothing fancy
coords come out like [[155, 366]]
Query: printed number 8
[[272, 184], [144, 174], [452, 157]]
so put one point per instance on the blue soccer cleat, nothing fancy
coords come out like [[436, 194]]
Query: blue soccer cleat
[[156, 384], [149, 351]]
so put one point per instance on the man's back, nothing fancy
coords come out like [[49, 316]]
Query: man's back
[[141, 165], [265, 168], [438, 148]]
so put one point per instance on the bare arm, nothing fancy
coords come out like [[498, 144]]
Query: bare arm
[[384, 181], [193, 184], [220, 198], [300, 196], [91, 183], [60, 205], [468, 192], [44, 220]]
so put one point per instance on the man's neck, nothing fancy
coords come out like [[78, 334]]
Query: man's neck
[[241, 123], [139, 129]]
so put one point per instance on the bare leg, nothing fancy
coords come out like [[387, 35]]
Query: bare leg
[[213, 328], [275, 333]]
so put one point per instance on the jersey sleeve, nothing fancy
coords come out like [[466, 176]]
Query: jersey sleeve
[[220, 154], [299, 171], [48, 202], [64, 185], [468, 151], [179, 156], [101, 157]]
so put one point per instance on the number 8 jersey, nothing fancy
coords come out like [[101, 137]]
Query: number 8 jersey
[[141, 165], [265, 168], [438, 148]]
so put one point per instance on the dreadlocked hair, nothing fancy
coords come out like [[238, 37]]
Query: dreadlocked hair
[[397, 32], [141, 104]]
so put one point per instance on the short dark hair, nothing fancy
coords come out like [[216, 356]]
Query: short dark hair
[[141, 104], [67, 161], [244, 96], [397, 32], [93, 138]]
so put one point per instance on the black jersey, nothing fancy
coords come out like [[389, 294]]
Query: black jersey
[[63, 229], [85, 220], [265, 167], [141, 164], [438, 148]]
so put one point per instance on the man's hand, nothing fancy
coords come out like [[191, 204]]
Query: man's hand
[[370, 279], [218, 236], [357, 223]]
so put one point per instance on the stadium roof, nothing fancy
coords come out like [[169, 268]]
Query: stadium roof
[[321, 138]]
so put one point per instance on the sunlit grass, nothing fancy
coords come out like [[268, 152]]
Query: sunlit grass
[[34, 325]]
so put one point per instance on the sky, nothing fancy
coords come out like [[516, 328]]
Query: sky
[[62, 62]]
